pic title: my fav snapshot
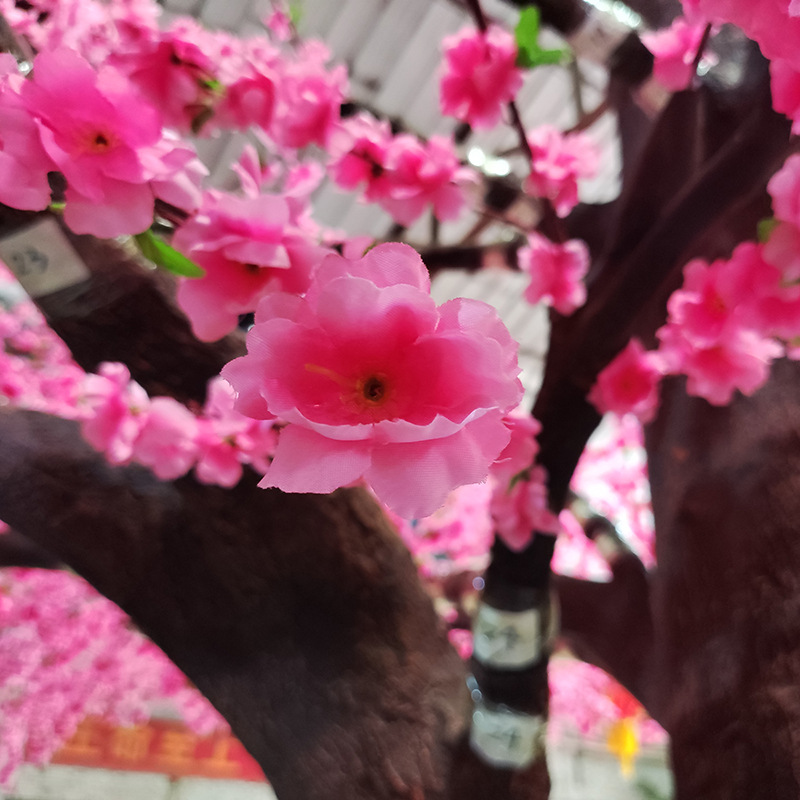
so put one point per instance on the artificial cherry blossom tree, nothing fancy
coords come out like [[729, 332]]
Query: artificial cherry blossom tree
[[295, 608]]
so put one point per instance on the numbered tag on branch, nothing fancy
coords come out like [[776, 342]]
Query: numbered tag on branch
[[42, 258], [508, 639], [506, 738]]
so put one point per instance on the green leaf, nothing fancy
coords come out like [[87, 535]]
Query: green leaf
[[765, 228], [295, 13], [530, 54], [162, 255]]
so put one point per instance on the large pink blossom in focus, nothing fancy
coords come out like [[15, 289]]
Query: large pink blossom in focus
[[556, 271], [559, 162], [247, 246], [378, 383], [480, 75], [629, 384]]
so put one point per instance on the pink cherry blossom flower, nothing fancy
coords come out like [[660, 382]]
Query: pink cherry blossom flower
[[480, 75], [739, 361], [784, 188], [176, 76], [786, 90], [118, 410], [519, 496], [104, 140], [629, 384], [556, 270], [167, 442], [675, 49], [358, 150], [307, 100], [559, 162], [247, 246], [24, 164], [279, 24], [425, 174], [378, 383]]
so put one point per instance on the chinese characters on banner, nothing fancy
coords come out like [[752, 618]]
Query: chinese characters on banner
[[158, 746]]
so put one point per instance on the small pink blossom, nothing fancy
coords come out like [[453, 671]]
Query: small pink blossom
[[519, 494], [784, 188], [359, 154], [556, 270], [559, 162], [786, 90], [675, 49], [740, 361], [521, 510], [307, 99], [176, 76], [247, 247], [24, 164], [424, 174], [167, 442], [480, 75], [378, 383], [629, 384]]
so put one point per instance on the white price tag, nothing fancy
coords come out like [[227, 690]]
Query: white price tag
[[507, 639], [42, 258], [506, 738]]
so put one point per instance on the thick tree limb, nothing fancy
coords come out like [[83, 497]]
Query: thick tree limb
[[726, 497], [301, 618]]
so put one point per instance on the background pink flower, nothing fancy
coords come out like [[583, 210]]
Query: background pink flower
[[480, 75], [629, 384], [556, 270]]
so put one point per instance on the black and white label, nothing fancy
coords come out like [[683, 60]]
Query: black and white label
[[508, 639], [42, 258], [506, 738]]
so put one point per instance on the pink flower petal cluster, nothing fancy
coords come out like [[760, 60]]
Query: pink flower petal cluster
[[717, 332], [785, 82], [175, 74], [307, 99], [120, 420], [675, 49], [23, 161], [480, 75], [401, 173], [107, 143], [248, 246], [629, 384], [65, 653], [559, 161], [117, 416], [556, 271], [378, 383], [771, 23], [455, 538], [519, 498]]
